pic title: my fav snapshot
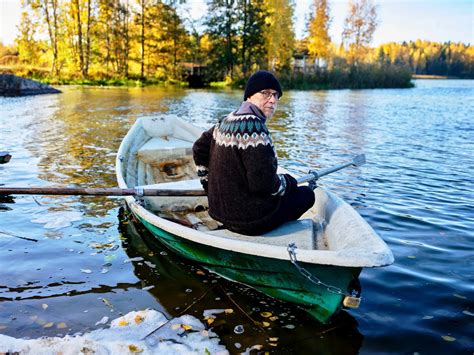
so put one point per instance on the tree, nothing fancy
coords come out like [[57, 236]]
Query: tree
[[81, 13], [359, 27], [50, 11], [28, 47], [222, 25], [279, 34], [319, 42], [251, 33]]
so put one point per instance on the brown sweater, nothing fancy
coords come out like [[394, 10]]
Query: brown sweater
[[237, 161]]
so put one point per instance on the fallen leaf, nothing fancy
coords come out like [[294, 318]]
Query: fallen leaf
[[229, 311], [186, 327], [265, 314], [175, 326], [134, 349], [48, 325], [273, 339], [210, 320], [274, 318], [265, 324], [107, 303], [199, 272], [138, 319], [44, 306], [273, 344], [61, 325], [101, 245], [123, 323], [448, 338]]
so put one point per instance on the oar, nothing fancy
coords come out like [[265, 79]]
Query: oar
[[79, 191], [314, 175]]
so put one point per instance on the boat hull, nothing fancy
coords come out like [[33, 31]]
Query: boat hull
[[274, 277]]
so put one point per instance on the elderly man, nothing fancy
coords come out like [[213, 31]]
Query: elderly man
[[237, 165]]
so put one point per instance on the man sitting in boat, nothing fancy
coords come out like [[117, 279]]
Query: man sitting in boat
[[237, 165]]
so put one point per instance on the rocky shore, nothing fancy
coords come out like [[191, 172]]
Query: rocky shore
[[12, 85]]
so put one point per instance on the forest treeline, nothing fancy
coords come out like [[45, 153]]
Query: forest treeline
[[152, 41]]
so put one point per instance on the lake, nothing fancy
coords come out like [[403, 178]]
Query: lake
[[67, 262]]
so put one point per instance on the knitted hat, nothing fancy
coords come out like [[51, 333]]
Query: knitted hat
[[261, 80]]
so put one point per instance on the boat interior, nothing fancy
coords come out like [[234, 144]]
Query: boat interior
[[165, 161]]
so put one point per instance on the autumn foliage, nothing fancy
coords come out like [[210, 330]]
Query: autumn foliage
[[148, 41]]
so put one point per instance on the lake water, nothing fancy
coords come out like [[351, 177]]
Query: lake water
[[66, 262]]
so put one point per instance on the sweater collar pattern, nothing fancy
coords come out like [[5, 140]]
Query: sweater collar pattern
[[243, 129]]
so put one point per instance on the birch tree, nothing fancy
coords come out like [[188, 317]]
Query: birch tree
[[359, 27]]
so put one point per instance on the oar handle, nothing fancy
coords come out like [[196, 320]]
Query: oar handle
[[314, 175]]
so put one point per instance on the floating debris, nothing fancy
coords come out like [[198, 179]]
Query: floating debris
[[127, 335], [448, 338], [239, 329], [104, 320]]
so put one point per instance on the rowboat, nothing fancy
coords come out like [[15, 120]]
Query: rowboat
[[313, 262]]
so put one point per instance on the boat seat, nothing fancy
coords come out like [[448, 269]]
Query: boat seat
[[160, 149], [193, 184], [300, 232]]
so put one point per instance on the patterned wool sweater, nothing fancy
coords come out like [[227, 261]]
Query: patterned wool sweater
[[237, 159]]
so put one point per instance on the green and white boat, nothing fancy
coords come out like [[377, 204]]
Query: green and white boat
[[313, 262]]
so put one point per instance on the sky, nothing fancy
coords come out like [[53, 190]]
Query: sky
[[399, 20]]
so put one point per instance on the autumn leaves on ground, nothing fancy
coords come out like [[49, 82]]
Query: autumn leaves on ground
[[140, 42]]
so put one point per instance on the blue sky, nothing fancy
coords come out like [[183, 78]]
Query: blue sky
[[435, 20]]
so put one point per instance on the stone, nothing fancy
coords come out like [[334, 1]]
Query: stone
[[12, 85]]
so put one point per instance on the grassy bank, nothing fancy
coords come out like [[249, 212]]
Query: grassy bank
[[365, 76]]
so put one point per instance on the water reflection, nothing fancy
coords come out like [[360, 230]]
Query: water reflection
[[180, 286], [415, 190]]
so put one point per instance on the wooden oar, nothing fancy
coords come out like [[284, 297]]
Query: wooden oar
[[314, 175], [97, 191]]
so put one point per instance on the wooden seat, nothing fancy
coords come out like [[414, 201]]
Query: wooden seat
[[160, 149]]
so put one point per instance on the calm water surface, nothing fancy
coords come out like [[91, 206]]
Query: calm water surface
[[66, 262]]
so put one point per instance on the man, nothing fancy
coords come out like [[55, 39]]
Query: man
[[237, 165]]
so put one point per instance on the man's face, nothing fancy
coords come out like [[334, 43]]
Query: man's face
[[266, 100]]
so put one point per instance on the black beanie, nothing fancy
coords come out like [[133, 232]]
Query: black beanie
[[261, 80]]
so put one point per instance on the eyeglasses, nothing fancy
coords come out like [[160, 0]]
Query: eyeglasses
[[268, 94]]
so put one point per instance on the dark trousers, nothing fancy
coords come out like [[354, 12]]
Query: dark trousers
[[293, 205]]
